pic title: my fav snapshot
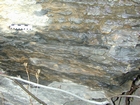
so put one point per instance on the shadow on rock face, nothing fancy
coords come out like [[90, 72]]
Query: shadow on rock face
[[128, 76]]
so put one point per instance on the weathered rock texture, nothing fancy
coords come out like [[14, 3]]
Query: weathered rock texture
[[92, 42]]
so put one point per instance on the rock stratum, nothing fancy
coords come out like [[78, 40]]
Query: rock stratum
[[90, 42]]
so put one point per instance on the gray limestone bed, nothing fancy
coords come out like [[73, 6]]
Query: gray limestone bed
[[12, 94]]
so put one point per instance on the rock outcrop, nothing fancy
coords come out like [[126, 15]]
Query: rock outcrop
[[91, 42]]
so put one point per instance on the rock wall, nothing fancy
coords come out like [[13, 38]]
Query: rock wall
[[92, 42]]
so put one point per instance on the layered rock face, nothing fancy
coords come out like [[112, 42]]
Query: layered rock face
[[91, 42]]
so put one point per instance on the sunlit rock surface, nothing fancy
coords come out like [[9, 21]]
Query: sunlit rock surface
[[91, 42]]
